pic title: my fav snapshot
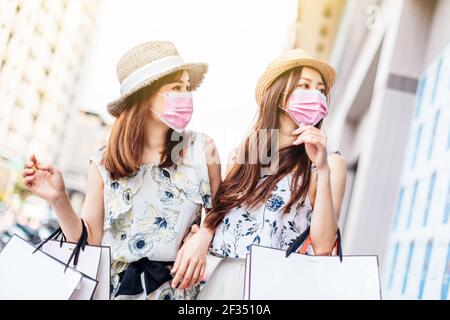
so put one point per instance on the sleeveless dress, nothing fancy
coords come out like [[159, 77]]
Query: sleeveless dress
[[148, 214], [241, 228]]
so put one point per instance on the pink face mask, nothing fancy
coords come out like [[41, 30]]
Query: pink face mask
[[307, 106], [177, 111]]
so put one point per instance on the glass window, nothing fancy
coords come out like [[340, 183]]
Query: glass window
[[433, 133], [429, 198], [426, 264], [394, 262], [446, 277], [408, 266], [436, 80], [420, 90], [447, 204], [398, 208], [416, 147], [412, 206]]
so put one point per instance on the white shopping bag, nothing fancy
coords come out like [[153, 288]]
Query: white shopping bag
[[30, 276], [93, 261], [305, 277], [247, 278]]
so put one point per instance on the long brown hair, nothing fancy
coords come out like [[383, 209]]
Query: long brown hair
[[125, 148], [241, 186]]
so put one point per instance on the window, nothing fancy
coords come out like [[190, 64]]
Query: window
[[408, 266], [429, 198], [436, 80], [446, 277], [398, 208], [394, 262], [416, 147], [426, 264], [433, 133], [413, 202], [420, 90], [447, 204]]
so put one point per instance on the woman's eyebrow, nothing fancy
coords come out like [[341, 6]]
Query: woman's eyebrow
[[307, 79]]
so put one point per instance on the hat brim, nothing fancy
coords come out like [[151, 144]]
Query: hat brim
[[273, 72], [197, 72]]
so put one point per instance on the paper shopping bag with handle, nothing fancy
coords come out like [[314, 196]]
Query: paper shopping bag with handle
[[293, 275], [25, 275], [92, 261]]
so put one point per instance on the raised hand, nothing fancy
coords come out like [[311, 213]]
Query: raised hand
[[42, 180], [315, 142]]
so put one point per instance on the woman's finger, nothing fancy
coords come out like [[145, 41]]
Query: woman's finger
[[196, 275], [202, 274], [28, 165], [188, 275], [28, 180], [300, 129], [300, 139], [180, 273], [177, 261], [28, 172], [47, 168], [35, 160]]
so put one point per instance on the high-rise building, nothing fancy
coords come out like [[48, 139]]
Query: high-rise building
[[43, 45], [387, 54]]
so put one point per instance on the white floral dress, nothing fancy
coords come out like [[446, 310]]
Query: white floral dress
[[148, 214], [264, 225]]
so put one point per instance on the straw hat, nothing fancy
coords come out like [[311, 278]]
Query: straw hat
[[289, 60], [148, 62]]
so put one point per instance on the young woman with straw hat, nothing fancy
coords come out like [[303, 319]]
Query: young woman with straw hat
[[273, 205], [147, 186]]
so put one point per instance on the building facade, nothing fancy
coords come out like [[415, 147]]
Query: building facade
[[43, 45], [386, 54]]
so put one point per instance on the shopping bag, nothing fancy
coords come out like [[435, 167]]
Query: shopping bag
[[293, 275], [28, 276], [92, 261]]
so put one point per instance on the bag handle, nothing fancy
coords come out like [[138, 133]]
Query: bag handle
[[304, 240], [80, 245]]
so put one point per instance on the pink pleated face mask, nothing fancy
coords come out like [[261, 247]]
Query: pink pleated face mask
[[307, 106], [178, 110]]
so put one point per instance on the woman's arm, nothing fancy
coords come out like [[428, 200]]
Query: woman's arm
[[329, 189], [190, 263], [329, 193], [47, 182]]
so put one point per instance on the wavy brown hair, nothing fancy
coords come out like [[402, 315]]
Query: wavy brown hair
[[242, 186], [125, 148]]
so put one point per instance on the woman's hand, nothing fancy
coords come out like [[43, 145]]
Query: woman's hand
[[315, 144], [193, 231], [190, 263], [43, 180]]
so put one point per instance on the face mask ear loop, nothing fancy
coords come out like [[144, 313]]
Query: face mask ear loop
[[151, 108], [155, 112]]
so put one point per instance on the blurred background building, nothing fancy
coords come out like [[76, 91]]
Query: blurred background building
[[43, 47], [383, 119]]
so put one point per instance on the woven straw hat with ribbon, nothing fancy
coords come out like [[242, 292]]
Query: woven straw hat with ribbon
[[289, 60], [148, 62]]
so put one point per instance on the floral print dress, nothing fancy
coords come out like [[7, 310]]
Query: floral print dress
[[148, 214], [264, 225]]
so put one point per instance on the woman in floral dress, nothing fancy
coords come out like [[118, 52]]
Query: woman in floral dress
[[271, 201], [147, 186]]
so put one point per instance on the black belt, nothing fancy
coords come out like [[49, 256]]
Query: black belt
[[156, 273]]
